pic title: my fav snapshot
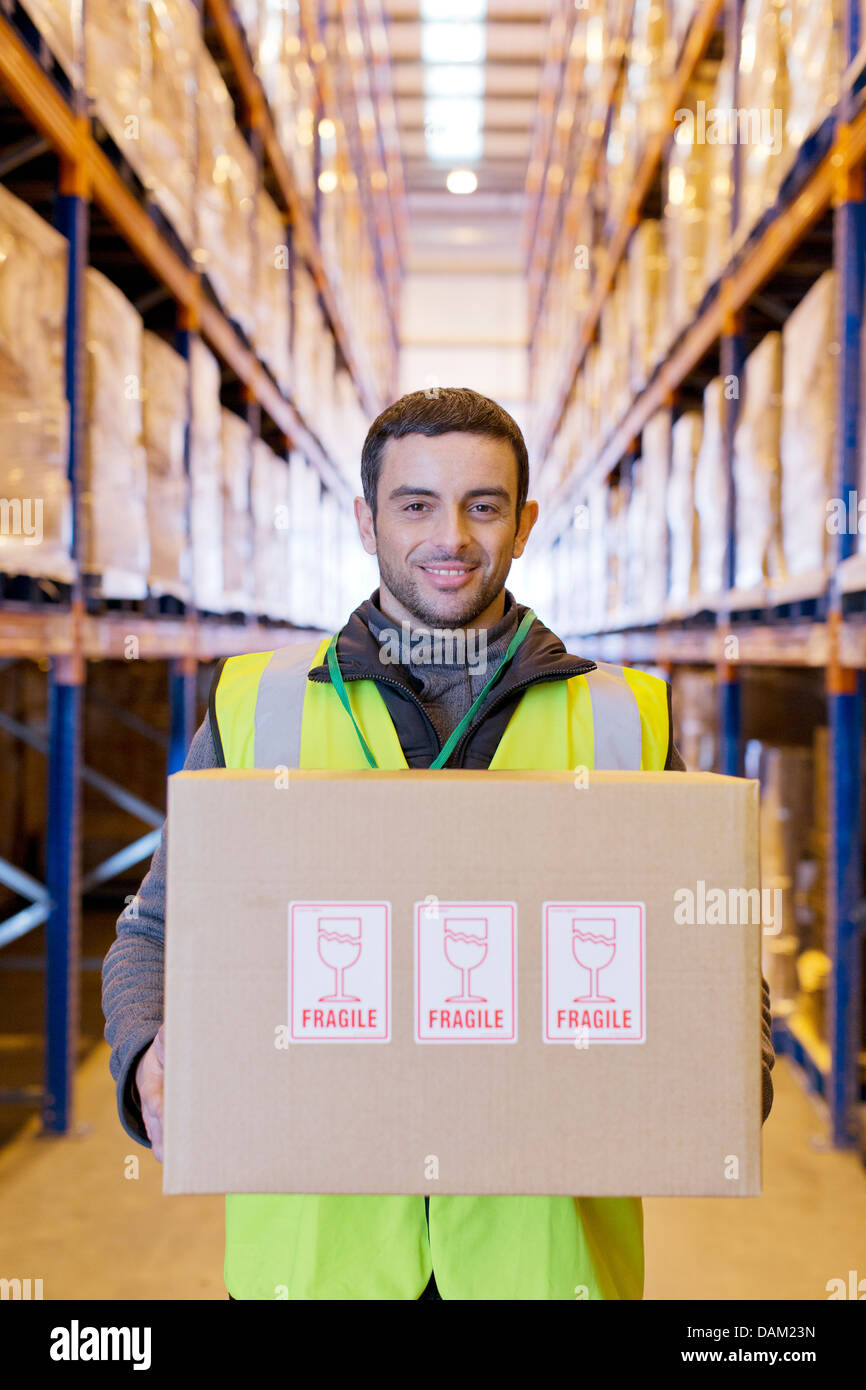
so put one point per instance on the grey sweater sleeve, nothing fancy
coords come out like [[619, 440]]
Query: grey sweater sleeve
[[132, 972]]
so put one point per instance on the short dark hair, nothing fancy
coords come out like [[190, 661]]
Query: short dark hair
[[439, 410]]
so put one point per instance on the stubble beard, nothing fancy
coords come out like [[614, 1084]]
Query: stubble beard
[[405, 590]]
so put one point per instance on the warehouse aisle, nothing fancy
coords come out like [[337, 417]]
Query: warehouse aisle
[[70, 1216]]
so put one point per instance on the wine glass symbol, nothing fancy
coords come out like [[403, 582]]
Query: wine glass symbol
[[465, 947], [593, 949], [339, 946]]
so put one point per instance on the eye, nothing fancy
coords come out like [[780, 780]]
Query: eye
[[485, 507]]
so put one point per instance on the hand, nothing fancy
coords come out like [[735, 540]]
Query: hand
[[150, 1079]]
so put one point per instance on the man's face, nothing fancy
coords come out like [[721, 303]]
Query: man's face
[[446, 528]]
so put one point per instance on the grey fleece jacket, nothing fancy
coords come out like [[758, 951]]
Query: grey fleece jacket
[[132, 973]]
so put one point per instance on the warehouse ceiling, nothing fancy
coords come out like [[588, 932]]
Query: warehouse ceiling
[[466, 79]]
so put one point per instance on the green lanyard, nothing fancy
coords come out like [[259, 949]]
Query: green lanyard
[[445, 753]]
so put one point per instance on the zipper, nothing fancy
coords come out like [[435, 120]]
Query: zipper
[[485, 710]]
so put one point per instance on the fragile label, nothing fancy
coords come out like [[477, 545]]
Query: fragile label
[[465, 972], [594, 972], [339, 971]]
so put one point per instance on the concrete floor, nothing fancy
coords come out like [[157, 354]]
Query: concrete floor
[[70, 1215]]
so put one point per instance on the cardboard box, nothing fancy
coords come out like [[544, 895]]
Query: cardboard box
[[299, 904]]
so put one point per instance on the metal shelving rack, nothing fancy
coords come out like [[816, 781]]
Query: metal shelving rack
[[66, 635], [798, 625]]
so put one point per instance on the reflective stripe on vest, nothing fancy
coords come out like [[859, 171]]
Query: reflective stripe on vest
[[282, 681], [493, 1247]]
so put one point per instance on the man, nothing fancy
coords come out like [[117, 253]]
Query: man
[[445, 511]]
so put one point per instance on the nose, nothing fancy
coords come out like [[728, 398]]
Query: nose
[[452, 532]]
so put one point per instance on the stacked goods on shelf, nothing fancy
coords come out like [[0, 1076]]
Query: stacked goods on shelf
[[613, 361], [34, 419], [680, 14], [809, 370], [59, 23], [617, 502], [720, 176], [289, 83], [236, 440], [165, 410], [114, 481], [206, 501], [169, 135], [786, 774], [756, 466], [269, 501], [345, 429], [647, 267], [687, 186], [636, 555], [813, 963], [813, 44], [118, 73], [597, 505], [225, 197], [309, 334], [694, 704], [711, 492], [272, 279], [655, 470], [305, 583], [763, 97], [681, 510]]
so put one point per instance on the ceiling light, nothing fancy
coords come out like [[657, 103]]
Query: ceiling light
[[461, 181], [327, 180], [453, 80], [452, 43], [327, 129]]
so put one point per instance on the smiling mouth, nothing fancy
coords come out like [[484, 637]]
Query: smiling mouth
[[441, 569]]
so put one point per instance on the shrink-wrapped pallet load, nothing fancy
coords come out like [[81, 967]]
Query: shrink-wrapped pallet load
[[763, 97], [711, 491], [720, 173], [238, 578], [655, 470], [685, 218], [118, 71], [635, 546], [269, 526], [694, 700], [272, 277], [810, 351], [617, 550], [114, 482], [59, 23], [34, 418], [814, 46], [681, 512], [646, 303], [206, 501], [599, 539], [757, 467], [165, 413], [225, 197], [169, 134], [306, 578]]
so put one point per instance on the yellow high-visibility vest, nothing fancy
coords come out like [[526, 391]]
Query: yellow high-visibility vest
[[490, 1247]]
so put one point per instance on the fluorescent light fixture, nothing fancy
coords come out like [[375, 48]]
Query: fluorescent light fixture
[[453, 80], [452, 43], [455, 143], [461, 181]]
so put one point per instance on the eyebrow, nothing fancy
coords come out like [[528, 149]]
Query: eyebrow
[[408, 491]]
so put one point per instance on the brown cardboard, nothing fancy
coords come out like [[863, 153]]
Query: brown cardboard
[[675, 1114]]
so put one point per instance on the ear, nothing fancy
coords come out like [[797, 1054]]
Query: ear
[[528, 518], [366, 525]]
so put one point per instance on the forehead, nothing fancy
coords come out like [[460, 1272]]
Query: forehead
[[456, 457]]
